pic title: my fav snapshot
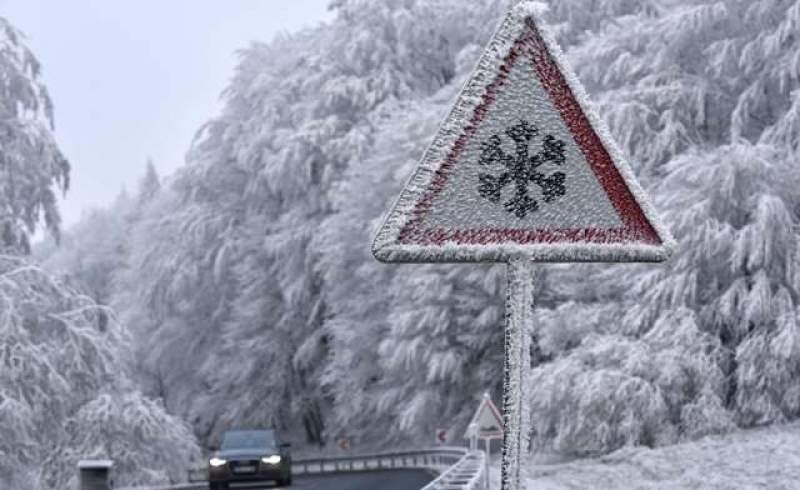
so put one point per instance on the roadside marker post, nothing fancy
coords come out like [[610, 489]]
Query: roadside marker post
[[522, 171], [472, 436], [95, 474], [441, 437]]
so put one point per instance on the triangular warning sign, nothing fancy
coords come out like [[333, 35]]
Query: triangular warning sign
[[487, 421], [522, 167]]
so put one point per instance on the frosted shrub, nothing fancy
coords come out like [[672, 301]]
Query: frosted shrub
[[768, 374], [614, 391], [737, 268], [146, 444]]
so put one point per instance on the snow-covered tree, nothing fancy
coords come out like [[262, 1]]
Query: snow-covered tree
[[243, 281], [613, 390], [418, 343], [703, 95], [64, 390], [149, 184], [92, 251], [171, 296], [32, 167], [146, 444], [257, 250]]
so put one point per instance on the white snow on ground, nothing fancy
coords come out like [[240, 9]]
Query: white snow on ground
[[761, 458]]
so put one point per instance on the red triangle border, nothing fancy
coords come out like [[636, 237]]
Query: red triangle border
[[637, 228]]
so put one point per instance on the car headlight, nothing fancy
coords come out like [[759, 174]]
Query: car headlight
[[274, 459], [217, 462]]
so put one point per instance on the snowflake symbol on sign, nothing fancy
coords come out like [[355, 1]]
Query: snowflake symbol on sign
[[521, 170]]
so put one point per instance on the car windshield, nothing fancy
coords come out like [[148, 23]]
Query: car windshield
[[248, 439]]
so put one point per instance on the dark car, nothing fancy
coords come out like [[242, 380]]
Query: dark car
[[250, 456]]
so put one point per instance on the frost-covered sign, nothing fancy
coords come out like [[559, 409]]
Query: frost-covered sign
[[487, 421], [522, 171], [522, 167]]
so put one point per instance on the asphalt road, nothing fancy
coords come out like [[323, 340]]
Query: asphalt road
[[378, 480]]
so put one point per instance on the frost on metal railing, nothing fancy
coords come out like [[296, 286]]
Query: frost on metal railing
[[460, 469], [438, 459], [467, 474]]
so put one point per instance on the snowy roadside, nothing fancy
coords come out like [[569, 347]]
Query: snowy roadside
[[758, 458]]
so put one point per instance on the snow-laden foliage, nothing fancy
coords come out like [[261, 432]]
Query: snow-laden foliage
[[690, 73], [249, 277], [32, 167], [146, 443], [63, 391], [703, 95], [57, 352], [243, 283], [417, 341], [171, 330], [614, 390], [737, 268], [92, 253]]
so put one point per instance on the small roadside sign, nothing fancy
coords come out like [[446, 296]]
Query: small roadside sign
[[487, 423], [441, 437]]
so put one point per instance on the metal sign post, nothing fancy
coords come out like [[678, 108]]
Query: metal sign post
[[487, 485], [522, 170], [472, 435], [516, 416]]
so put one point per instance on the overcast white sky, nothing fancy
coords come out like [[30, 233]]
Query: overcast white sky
[[132, 79]]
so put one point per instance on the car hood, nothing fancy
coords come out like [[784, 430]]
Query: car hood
[[244, 453]]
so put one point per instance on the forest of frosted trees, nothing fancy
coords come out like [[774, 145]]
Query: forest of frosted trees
[[67, 390], [246, 275]]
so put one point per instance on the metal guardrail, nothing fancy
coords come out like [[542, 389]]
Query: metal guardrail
[[437, 459], [467, 474], [459, 468]]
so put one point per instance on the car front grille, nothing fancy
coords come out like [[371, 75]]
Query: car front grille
[[239, 463]]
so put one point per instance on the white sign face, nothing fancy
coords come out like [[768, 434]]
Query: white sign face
[[487, 421], [522, 168]]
